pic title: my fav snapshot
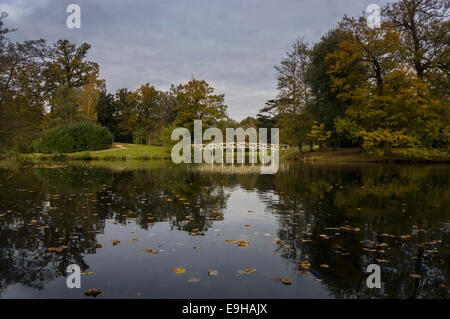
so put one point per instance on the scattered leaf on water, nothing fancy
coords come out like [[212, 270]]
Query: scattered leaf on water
[[139, 294], [99, 245], [416, 276], [324, 266], [286, 281], [213, 272], [116, 242], [152, 251], [243, 243], [179, 270], [305, 264], [93, 292]]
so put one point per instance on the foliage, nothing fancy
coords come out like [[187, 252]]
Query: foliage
[[74, 137], [196, 101]]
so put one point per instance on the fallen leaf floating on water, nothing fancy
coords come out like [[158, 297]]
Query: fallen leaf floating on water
[[286, 281], [116, 242], [246, 271], [305, 264], [87, 273], [138, 294], [99, 245], [213, 272], [231, 241], [152, 251], [382, 260], [324, 266], [58, 249], [246, 225], [416, 276], [179, 270], [194, 280], [277, 279], [243, 243], [94, 292]]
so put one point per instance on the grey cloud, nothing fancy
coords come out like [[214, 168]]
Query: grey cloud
[[232, 44]]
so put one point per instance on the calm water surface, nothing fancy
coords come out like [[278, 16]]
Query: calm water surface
[[337, 219]]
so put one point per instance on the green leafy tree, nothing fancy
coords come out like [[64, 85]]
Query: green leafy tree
[[68, 65], [196, 101]]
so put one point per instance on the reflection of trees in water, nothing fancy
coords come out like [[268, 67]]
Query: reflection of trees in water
[[64, 208], [367, 207]]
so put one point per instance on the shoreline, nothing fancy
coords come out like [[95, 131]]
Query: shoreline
[[137, 152]]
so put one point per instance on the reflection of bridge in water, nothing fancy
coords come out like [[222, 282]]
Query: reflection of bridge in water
[[236, 169]]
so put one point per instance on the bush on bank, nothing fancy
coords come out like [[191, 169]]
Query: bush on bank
[[75, 137]]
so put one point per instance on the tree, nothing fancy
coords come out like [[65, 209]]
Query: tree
[[22, 93], [290, 108], [68, 66], [325, 104], [196, 101], [90, 97], [248, 122], [292, 86], [107, 113], [424, 26], [126, 103], [318, 133], [377, 51], [65, 106]]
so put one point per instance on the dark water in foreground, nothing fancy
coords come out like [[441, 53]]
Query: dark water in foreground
[[339, 219]]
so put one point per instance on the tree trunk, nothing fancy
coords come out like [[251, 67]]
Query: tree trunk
[[387, 148], [311, 146]]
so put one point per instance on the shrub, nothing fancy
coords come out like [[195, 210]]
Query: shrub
[[75, 137]]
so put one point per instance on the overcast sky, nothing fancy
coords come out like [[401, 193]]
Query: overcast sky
[[232, 44]]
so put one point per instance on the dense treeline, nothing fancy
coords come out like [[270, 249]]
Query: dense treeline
[[45, 87], [375, 88], [378, 88]]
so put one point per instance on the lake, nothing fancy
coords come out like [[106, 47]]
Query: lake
[[309, 231]]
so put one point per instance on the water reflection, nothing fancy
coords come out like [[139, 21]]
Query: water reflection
[[337, 218]]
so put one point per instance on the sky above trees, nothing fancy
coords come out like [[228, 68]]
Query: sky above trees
[[232, 44]]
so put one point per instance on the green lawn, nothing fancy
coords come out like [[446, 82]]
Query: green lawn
[[119, 151]]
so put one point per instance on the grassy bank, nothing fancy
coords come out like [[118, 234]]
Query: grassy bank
[[119, 151], [123, 151], [356, 155]]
